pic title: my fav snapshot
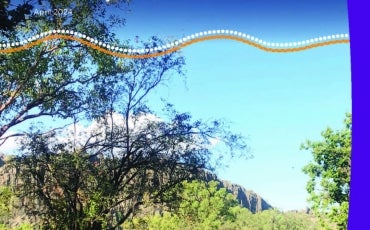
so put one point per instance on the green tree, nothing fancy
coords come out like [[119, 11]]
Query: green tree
[[277, 220], [202, 205], [205, 204], [72, 188], [330, 173], [5, 203], [99, 180], [51, 79], [7, 200], [10, 18]]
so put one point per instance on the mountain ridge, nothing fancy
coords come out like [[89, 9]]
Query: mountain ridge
[[246, 198]]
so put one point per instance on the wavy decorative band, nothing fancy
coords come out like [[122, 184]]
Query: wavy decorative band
[[176, 45]]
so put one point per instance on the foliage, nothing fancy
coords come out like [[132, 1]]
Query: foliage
[[5, 203], [76, 189], [330, 174], [7, 200], [23, 226], [51, 79], [274, 219], [12, 17], [100, 178], [204, 205]]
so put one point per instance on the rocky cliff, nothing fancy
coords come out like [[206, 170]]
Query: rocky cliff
[[246, 198]]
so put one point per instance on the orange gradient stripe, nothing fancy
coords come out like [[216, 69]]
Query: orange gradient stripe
[[174, 49]]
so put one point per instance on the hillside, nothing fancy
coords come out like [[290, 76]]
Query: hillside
[[264, 217], [246, 198]]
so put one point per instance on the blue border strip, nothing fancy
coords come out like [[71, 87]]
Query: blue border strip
[[360, 65]]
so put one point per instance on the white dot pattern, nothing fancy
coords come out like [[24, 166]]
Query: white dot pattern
[[218, 32]]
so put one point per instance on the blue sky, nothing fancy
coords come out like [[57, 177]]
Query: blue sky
[[278, 20], [276, 100]]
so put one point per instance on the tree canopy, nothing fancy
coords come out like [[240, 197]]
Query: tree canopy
[[99, 178], [52, 79], [204, 205], [330, 173]]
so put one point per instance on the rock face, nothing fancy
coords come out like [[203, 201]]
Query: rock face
[[7, 176], [246, 198]]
